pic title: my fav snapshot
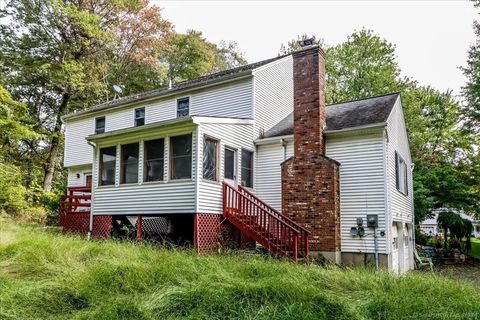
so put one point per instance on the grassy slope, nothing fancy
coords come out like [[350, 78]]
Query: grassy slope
[[49, 276], [475, 248]]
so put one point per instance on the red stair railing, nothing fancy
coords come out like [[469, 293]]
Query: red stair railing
[[260, 223], [77, 198], [304, 245]]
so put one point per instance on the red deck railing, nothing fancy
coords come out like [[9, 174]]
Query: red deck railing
[[275, 232], [77, 200], [303, 240]]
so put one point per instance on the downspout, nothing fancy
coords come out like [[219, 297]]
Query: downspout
[[412, 167], [284, 146], [90, 223]]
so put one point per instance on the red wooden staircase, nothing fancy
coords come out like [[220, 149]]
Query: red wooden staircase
[[264, 224]]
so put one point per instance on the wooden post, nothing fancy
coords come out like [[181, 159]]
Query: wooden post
[[139, 228]]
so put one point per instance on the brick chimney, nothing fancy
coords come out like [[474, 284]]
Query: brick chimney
[[310, 180]]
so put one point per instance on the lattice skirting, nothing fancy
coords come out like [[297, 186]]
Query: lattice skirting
[[77, 223], [212, 231]]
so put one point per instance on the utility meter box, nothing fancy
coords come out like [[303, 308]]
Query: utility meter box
[[372, 220]]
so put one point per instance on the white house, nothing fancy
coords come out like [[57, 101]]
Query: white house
[[167, 152], [430, 226]]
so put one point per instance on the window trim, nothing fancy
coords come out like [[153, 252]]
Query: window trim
[[104, 124], [252, 169], [398, 171], [101, 166], [122, 171], [170, 157], [217, 157], [145, 171], [176, 106], [235, 162], [135, 116]]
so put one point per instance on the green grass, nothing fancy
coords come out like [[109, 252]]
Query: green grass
[[44, 275], [475, 251]]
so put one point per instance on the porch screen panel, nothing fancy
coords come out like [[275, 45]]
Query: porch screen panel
[[210, 147], [108, 157], [154, 159], [181, 157], [247, 168], [129, 172]]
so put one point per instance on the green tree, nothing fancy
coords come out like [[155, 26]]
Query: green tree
[[63, 55]]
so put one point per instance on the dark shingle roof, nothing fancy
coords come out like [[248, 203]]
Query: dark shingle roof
[[197, 82], [345, 115]]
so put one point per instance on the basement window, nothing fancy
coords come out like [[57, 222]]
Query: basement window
[[181, 157], [99, 125], [210, 156], [183, 107], [108, 157], [401, 174], [139, 117], [154, 160], [129, 167], [247, 168]]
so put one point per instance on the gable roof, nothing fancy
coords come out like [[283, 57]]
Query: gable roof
[[357, 113], [191, 84]]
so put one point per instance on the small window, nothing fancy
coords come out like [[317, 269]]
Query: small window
[[181, 157], [139, 117], [99, 125], [129, 168], [229, 164], [247, 168], [401, 174], [154, 160], [478, 228], [108, 157], [210, 147], [183, 107]]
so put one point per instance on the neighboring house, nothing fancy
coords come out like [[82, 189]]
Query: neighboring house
[[430, 226], [264, 126]]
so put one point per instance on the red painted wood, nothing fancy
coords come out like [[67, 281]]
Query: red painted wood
[[263, 224]]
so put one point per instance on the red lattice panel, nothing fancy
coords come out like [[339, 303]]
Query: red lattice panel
[[78, 223], [206, 232], [212, 231]]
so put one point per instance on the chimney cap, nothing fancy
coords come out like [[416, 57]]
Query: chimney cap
[[307, 42]]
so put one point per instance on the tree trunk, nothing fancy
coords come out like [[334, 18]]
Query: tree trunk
[[55, 144]]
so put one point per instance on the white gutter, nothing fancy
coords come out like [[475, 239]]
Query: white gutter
[[90, 223]]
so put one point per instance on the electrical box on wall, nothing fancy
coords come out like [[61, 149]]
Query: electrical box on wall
[[372, 220]]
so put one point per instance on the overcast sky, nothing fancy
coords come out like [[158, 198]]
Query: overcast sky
[[431, 37]]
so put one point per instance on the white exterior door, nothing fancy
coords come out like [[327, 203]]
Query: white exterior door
[[230, 166], [395, 252]]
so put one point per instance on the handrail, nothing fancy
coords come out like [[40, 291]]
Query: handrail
[[277, 234], [304, 233], [268, 207], [71, 202]]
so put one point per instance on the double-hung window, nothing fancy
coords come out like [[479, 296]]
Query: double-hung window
[[247, 168], [129, 167], [401, 174], [210, 157], [181, 157], [183, 107], [154, 160], [99, 125], [108, 157], [139, 117]]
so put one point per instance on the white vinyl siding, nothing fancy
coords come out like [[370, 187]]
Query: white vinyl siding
[[234, 136], [77, 150], [362, 182], [400, 203], [233, 100], [81, 171], [273, 90]]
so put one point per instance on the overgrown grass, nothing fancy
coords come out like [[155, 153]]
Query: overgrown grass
[[44, 275]]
